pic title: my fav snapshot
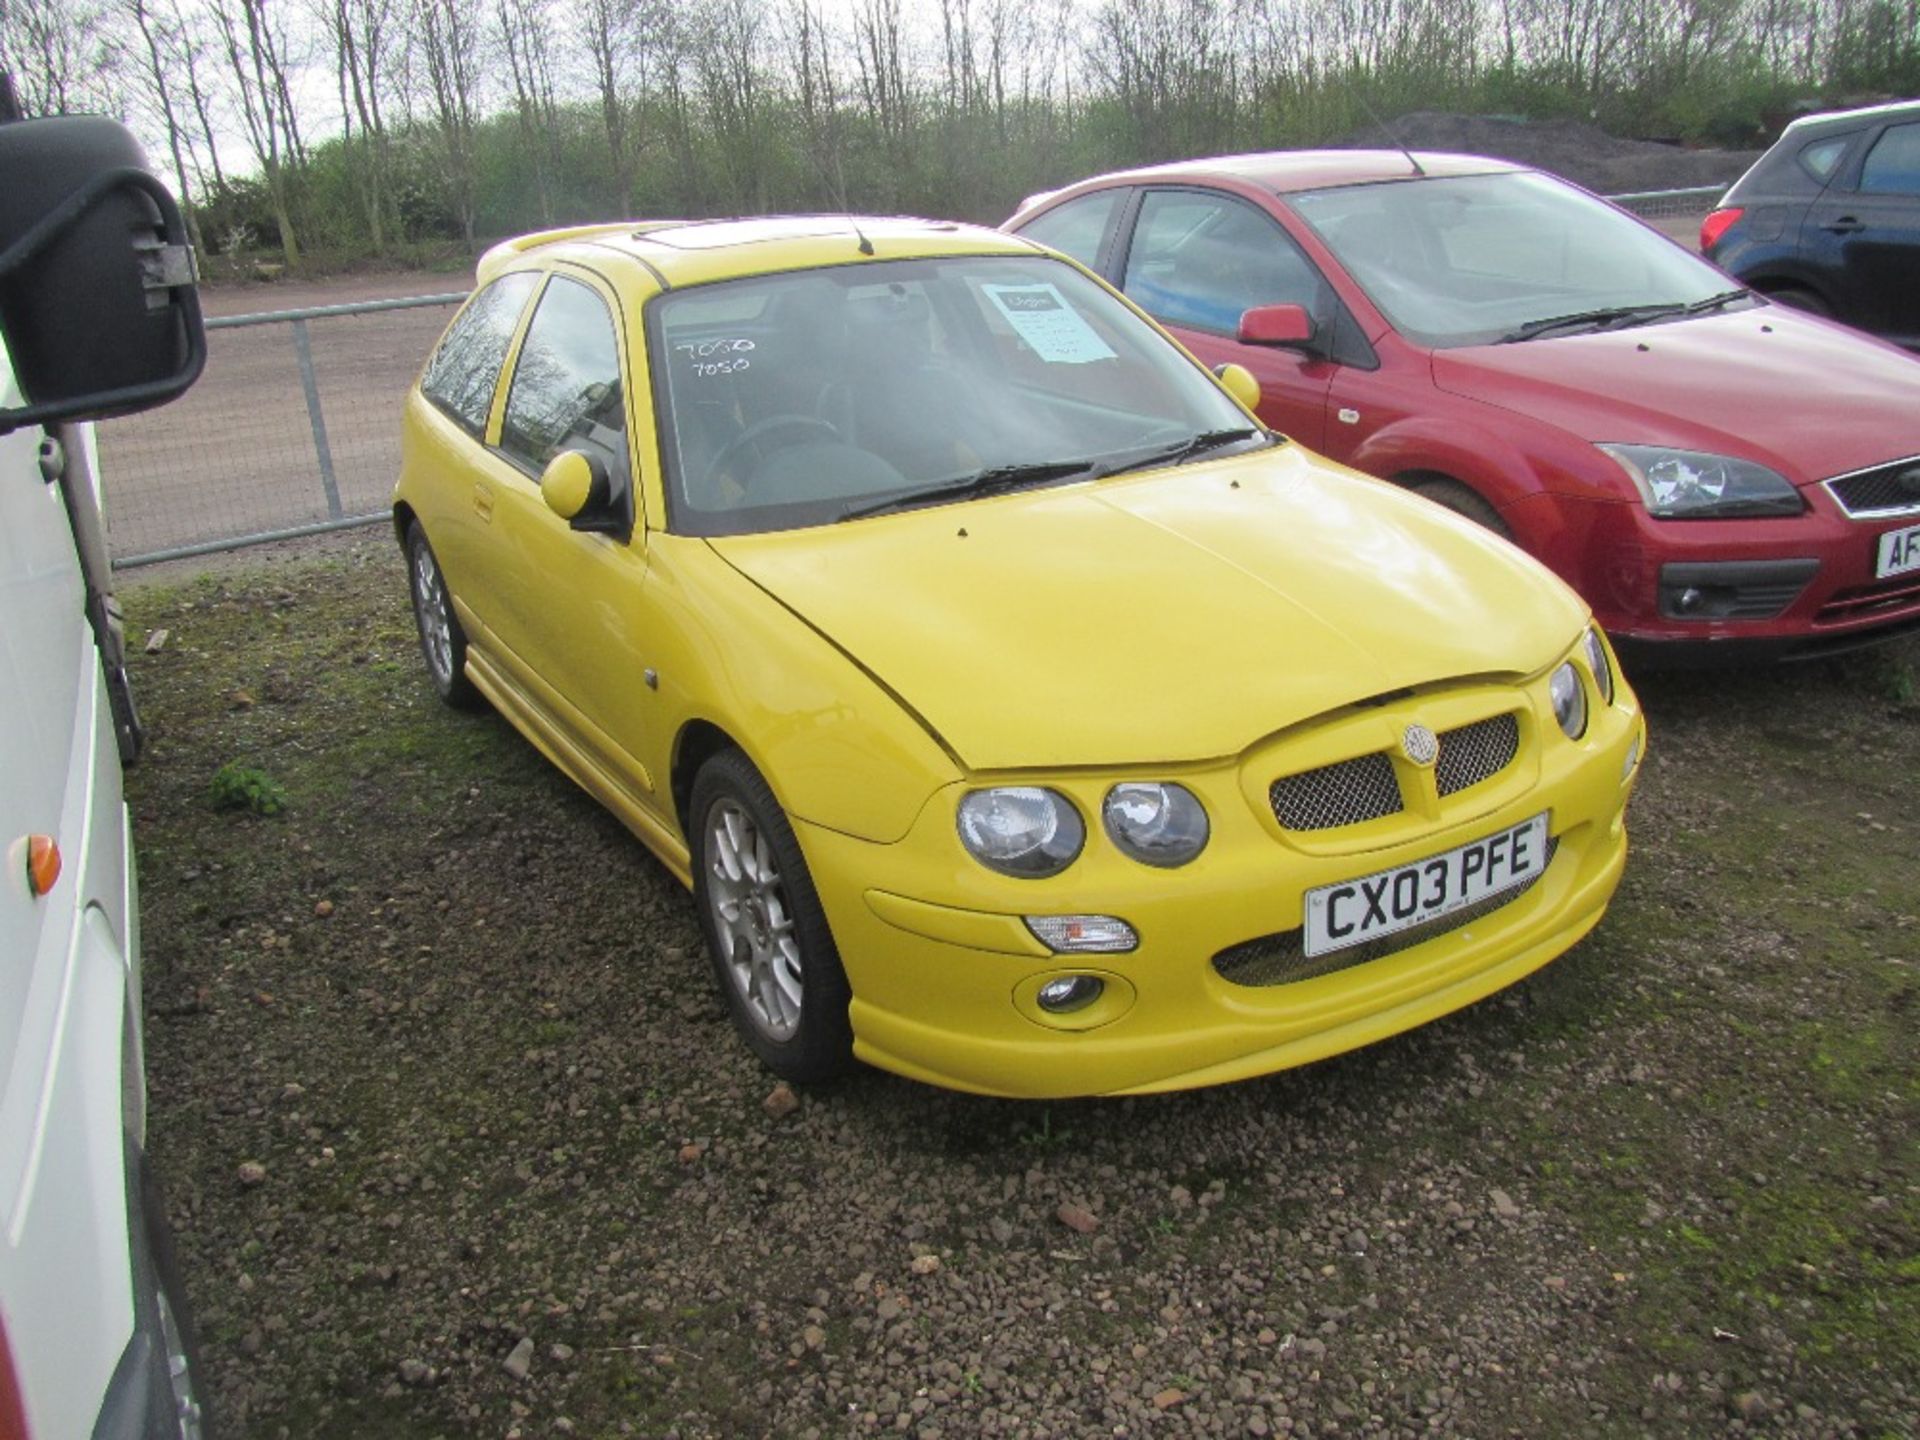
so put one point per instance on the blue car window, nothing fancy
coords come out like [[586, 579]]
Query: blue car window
[[1201, 260], [1822, 157], [460, 378], [1076, 227], [566, 384], [1893, 165]]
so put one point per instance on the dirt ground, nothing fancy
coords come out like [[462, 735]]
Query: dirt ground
[[459, 1140], [236, 454]]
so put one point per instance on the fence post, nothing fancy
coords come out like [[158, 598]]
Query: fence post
[[322, 452]]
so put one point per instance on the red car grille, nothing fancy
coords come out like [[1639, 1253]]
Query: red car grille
[[1871, 602]]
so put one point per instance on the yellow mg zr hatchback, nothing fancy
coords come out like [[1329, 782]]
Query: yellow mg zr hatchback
[[1024, 716]]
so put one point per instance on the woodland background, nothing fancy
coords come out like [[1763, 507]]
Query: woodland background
[[339, 129]]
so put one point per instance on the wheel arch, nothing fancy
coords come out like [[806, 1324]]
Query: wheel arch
[[697, 742]]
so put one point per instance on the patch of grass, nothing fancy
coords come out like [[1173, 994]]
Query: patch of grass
[[241, 787]]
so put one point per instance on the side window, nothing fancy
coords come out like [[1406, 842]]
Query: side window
[[1077, 227], [566, 384], [461, 376], [1200, 260], [1893, 165], [1822, 157]]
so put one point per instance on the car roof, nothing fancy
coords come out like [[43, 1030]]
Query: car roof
[[1285, 171], [693, 252], [1847, 119]]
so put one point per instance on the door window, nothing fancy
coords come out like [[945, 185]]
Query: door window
[[464, 370], [1200, 260], [566, 391], [1893, 165], [1077, 227]]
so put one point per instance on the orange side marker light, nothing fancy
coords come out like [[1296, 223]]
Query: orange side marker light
[[43, 863]]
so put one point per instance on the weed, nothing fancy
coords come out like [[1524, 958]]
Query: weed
[[241, 787]]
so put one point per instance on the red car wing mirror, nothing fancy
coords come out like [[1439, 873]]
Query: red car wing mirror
[[1276, 325]]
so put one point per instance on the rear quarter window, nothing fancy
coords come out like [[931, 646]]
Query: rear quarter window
[[460, 378], [1822, 158]]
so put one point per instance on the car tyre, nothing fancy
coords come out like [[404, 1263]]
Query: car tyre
[[767, 936], [1799, 297], [1464, 501], [183, 1398], [443, 644]]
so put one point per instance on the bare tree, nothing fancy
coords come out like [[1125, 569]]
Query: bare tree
[[610, 31], [524, 29], [155, 62], [817, 92], [447, 34], [728, 66], [362, 33], [56, 51], [258, 54]]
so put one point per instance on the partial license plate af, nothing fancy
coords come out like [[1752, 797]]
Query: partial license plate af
[[1422, 890], [1899, 552]]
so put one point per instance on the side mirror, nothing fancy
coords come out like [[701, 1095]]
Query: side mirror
[[580, 488], [97, 298], [1239, 383], [574, 482], [1287, 326]]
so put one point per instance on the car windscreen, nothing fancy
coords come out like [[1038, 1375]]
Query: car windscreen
[[1466, 260], [801, 398]]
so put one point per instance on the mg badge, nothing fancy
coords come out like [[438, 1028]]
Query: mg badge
[[1420, 745]]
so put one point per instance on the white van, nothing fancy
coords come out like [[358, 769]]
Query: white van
[[97, 317]]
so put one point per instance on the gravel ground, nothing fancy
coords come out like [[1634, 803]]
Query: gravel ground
[[458, 1140]]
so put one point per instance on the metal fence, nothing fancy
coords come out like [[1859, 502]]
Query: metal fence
[[294, 429]]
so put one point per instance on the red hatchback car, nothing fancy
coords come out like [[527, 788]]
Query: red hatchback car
[[1719, 476]]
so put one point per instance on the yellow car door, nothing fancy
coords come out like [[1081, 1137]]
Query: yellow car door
[[570, 600]]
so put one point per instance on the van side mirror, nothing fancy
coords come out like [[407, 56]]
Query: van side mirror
[[1284, 326], [97, 300]]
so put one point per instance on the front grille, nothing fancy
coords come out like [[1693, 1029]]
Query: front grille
[[1344, 793], [1886, 599], [1883, 490], [1282, 959], [1476, 752]]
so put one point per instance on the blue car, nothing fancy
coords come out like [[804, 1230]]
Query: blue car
[[1829, 220]]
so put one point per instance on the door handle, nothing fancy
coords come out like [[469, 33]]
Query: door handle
[[1845, 225], [483, 502]]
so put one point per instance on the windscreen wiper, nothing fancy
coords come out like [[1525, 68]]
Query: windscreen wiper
[[1186, 449], [994, 480], [1613, 317], [1714, 302]]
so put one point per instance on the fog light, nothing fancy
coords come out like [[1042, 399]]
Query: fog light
[[1083, 934], [1689, 600], [1069, 993]]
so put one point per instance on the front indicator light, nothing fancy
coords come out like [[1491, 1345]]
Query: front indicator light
[[1569, 700], [1083, 934], [1632, 761], [1021, 830], [1156, 824], [1068, 993], [43, 863]]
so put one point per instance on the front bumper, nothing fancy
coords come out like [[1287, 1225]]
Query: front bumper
[[1795, 586], [944, 971]]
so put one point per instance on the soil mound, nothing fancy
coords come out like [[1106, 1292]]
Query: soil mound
[[1583, 153]]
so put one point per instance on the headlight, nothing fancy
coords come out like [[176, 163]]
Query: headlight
[[1688, 484], [1156, 824], [1021, 830], [1569, 700], [1598, 663]]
